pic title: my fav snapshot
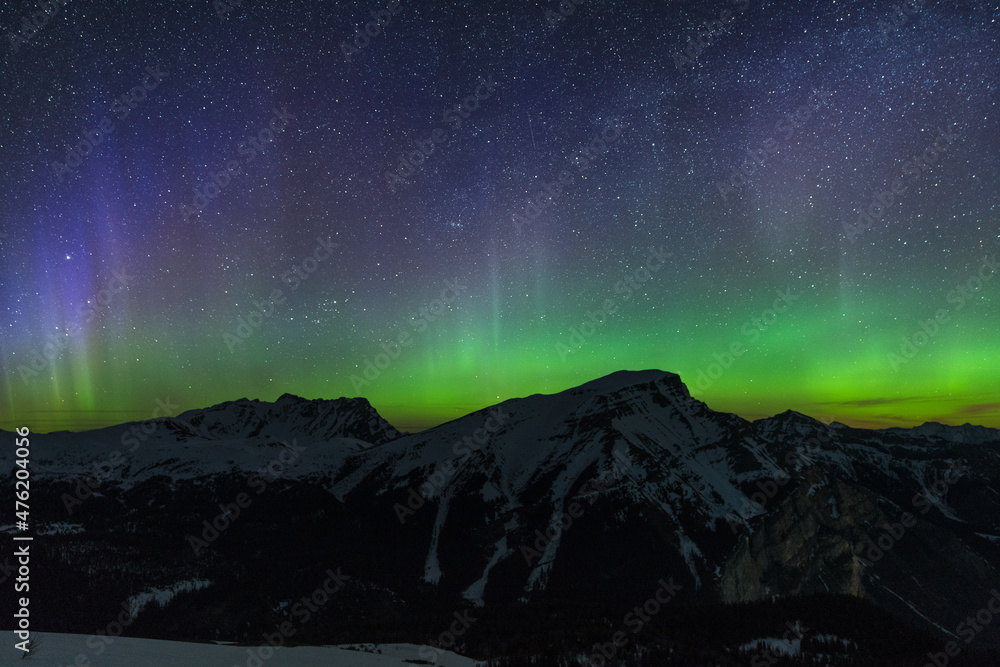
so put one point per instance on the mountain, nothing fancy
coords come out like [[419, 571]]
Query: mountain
[[289, 416], [546, 518], [967, 433]]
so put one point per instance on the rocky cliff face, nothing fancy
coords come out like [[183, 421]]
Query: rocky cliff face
[[829, 535], [289, 416], [806, 545]]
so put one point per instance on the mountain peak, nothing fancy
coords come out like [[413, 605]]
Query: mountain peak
[[624, 379], [295, 399], [966, 433], [290, 414], [787, 423], [793, 417]]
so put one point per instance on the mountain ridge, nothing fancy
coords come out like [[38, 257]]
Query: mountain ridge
[[615, 381], [621, 480]]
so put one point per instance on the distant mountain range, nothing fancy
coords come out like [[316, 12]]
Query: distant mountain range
[[552, 520]]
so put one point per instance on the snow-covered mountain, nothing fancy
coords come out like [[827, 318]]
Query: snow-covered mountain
[[616, 484], [289, 416], [934, 431]]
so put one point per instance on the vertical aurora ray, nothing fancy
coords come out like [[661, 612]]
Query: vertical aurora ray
[[199, 276]]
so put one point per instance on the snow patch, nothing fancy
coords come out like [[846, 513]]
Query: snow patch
[[163, 596], [775, 645], [61, 528], [474, 593], [432, 568], [689, 550], [62, 649]]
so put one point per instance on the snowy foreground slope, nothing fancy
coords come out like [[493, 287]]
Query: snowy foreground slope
[[56, 650]]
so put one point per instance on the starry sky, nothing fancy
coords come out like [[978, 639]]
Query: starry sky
[[793, 205]]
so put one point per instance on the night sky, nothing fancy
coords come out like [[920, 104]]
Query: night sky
[[800, 213]]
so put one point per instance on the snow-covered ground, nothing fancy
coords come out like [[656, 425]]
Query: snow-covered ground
[[56, 650]]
